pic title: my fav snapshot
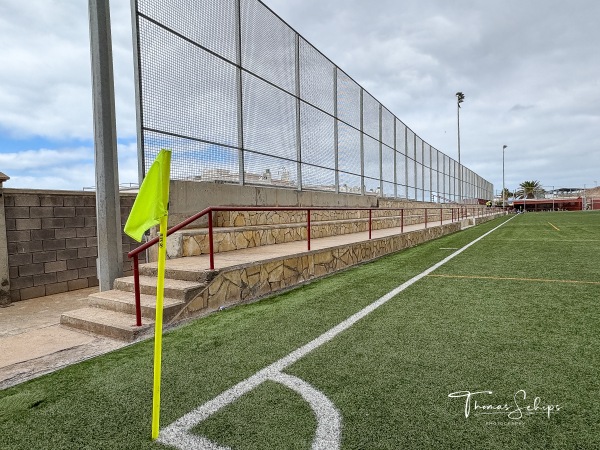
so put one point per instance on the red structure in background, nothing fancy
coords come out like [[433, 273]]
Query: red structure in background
[[557, 204]]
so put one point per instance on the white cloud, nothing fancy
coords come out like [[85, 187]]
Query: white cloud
[[529, 71], [45, 81], [64, 168]]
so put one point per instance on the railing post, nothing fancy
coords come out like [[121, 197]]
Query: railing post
[[370, 217], [441, 216], [308, 227], [136, 290], [402, 220], [425, 217], [211, 249]]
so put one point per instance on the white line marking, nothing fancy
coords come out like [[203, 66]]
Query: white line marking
[[329, 420], [178, 433]]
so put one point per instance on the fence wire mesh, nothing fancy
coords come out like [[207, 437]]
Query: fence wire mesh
[[239, 96]]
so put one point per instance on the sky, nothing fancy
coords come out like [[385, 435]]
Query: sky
[[529, 69]]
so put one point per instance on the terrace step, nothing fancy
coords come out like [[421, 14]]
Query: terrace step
[[116, 325], [188, 274], [175, 289], [195, 242], [124, 302]]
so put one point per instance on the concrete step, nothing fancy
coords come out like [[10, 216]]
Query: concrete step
[[124, 302], [175, 289], [112, 324], [198, 276]]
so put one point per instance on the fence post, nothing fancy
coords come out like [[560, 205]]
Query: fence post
[[369, 223], [441, 216], [425, 217]]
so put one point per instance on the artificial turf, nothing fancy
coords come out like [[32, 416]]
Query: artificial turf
[[389, 375]]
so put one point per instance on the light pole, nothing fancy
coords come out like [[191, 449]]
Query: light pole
[[503, 187], [460, 97]]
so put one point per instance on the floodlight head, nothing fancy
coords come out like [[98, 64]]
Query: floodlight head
[[504, 146], [460, 96]]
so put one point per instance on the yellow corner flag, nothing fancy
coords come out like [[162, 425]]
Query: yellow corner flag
[[150, 208], [152, 201]]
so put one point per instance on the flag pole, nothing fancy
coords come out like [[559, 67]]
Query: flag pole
[[160, 290]]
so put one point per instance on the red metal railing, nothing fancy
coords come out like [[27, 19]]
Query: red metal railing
[[461, 213]]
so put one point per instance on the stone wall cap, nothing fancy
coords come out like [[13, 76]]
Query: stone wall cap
[[25, 191], [3, 177]]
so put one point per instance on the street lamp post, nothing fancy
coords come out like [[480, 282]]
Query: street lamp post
[[503, 186], [460, 97]]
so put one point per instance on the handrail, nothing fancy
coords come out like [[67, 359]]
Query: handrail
[[461, 213]]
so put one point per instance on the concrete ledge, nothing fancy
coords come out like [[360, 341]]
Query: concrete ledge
[[189, 197]]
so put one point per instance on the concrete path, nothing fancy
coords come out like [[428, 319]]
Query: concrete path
[[33, 343]]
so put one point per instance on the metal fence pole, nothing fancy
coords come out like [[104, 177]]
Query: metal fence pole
[[423, 170], [298, 130], [380, 151], [406, 162], [415, 165], [363, 187], [395, 161], [138, 90], [239, 92], [336, 136]]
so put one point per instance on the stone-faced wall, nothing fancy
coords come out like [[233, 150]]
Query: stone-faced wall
[[52, 242]]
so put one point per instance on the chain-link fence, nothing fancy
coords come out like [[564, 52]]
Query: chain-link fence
[[239, 96]]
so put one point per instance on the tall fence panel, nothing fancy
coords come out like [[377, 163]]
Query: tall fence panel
[[241, 97]]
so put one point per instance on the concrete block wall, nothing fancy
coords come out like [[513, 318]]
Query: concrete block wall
[[186, 198], [52, 243]]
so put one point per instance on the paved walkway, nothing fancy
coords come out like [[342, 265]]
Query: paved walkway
[[33, 343]]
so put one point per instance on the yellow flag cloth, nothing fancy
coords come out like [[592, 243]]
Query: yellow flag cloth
[[152, 201]]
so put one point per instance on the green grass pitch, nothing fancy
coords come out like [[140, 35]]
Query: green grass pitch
[[516, 314]]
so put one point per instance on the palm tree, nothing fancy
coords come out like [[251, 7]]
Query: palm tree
[[530, 189], [506, 194]]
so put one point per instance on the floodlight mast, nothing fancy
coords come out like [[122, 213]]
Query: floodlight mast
[[503, 186], [460, 97]]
